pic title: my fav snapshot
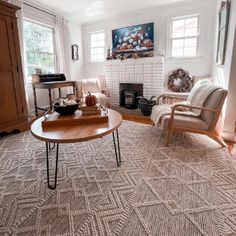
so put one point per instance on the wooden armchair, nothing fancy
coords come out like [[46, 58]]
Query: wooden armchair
[[204, 124]]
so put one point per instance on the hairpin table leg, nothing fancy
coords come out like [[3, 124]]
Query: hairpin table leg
[[51, 147], [48, 148], [117, 147]]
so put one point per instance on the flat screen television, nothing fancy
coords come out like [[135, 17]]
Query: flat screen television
[[133, 39]]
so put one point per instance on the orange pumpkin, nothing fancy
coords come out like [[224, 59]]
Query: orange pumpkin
[[90, 100]]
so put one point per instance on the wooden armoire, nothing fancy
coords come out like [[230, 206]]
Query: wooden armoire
[[13, 108]]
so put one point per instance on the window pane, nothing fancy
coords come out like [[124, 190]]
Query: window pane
[[47, 40], [178, 28], [192, 42], [185, 36], [191, 22], [30, 70], [93, 51], [94, 43], [177, 43], [191, 32], [100, 51], [31, 58], [97, 44], [101, 43], [101, 36], [185, 27], [29, 44], [93, 37], [178, 33], [39, 48], [177, 52], [190, 51], [178, 24]]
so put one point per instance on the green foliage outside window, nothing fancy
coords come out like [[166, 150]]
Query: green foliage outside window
[[39, 48]]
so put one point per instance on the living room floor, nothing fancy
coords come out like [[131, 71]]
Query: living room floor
[[182, 184], [147, 120]]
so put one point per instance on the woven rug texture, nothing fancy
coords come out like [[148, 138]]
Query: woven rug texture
[[187, 189]]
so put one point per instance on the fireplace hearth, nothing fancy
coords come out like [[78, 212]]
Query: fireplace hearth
[[129, 93]]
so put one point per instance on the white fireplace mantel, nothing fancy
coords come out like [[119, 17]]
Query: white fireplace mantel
[[148, 71]]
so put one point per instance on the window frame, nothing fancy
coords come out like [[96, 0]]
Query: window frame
[[90, 46], [171, 38], [28, 78]]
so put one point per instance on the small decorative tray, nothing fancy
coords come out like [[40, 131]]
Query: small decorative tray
[[56, 120]]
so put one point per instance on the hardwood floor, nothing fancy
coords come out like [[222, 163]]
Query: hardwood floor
[[140, 119]]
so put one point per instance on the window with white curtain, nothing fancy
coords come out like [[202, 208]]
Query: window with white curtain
[[39, 48], [185, 36], [97, 46]]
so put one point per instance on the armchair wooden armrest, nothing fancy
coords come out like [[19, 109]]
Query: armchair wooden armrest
[[170, 97], [190, 107]]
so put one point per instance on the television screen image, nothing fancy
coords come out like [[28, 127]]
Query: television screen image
[[138, 38]]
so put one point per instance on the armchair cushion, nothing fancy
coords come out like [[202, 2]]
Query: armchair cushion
[[185, 121], [212, 102], [180, 119], [199, 94]]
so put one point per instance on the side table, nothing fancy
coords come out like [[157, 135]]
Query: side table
[[49, 86]]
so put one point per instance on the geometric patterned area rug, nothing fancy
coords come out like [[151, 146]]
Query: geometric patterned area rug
[[187, 189]]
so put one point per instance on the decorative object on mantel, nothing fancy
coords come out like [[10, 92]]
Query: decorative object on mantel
[[75, 52], [223, 31], [161, 52], [180, 81], [146, 105], [142, 54], [124, 56], [109, 53]]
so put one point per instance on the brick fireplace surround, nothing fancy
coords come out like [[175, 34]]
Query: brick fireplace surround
[[146, 71]]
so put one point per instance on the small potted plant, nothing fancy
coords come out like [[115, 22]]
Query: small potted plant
[[146, 104]]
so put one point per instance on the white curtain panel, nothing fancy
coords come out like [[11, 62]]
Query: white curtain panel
[[21, 39], [63, 47]]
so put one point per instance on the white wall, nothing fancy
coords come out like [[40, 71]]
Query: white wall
[[161, 16], [76, 38], [225, 75]]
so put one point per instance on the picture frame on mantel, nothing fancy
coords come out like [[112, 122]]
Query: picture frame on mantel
[[223, 32], [75, 52]]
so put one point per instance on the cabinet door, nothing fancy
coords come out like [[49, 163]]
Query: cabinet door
[[9, 84]]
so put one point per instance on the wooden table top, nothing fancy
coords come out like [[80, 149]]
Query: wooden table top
[[79, 133], [54, 84]]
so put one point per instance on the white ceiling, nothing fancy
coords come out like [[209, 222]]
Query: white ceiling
[[91, 10]]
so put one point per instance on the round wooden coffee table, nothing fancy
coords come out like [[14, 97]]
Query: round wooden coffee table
[[79, 133]]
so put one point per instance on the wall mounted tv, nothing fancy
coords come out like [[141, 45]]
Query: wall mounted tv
[[133, 39]]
